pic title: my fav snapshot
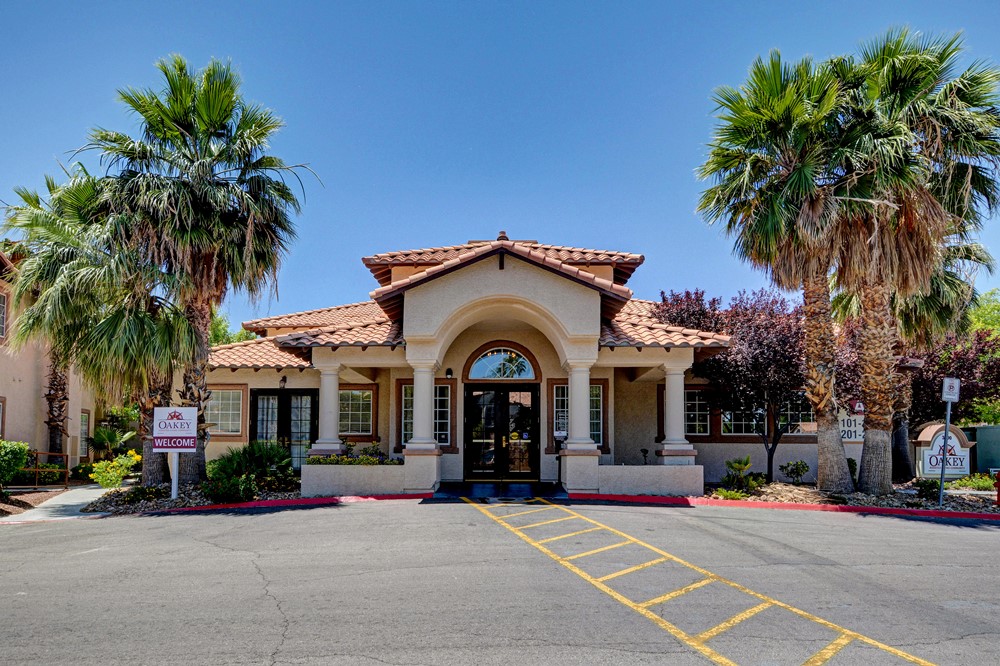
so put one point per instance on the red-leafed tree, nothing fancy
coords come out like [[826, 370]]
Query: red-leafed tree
[[975, 360], [762, 370]]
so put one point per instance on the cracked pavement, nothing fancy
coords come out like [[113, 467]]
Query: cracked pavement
[[438, 583]]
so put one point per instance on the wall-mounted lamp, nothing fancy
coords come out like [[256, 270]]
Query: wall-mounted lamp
[[282, 382], [448, 373]]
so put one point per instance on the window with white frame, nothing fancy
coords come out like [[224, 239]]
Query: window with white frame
[[442, 413], [3, 315], [560, 411], [795, 412], [696, 413], [356, 412], [743, 422], [84, 435], [225, 410]]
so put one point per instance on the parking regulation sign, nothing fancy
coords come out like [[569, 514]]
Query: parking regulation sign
[[950, 388], [175, 429]]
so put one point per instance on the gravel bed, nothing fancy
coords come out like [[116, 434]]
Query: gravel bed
[[116, 500]]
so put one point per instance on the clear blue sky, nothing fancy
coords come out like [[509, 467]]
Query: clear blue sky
[[431, 123]]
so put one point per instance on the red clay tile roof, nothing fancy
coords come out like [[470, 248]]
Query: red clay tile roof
[[635, 326], [390, 295], [335, 316], [624, 263], [377, 332], [258, 354]]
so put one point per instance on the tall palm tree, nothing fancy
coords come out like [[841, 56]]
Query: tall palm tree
[[774, 160], [198, 194], [924, 144], [96, 303]]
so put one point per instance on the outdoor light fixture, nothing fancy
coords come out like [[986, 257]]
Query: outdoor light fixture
[[282, 382], [448, 373]]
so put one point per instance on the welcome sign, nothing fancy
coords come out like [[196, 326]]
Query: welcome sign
[[175, 429]]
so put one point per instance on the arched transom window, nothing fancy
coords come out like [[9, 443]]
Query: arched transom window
[[501, 363]]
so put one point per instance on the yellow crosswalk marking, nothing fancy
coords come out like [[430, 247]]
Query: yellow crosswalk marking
[[694, 641], [638, 567], [525, 513], [571, 534], [597, 550], [827, 653], [544, 522], [663, 598], [732, 622]]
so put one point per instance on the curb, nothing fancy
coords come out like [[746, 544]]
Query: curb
[[782, 506], [304, 501]]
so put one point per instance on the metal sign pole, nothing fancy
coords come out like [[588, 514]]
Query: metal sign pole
[[175, 462], [944, 451]]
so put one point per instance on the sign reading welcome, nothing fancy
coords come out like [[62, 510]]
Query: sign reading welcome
[[175, 429]]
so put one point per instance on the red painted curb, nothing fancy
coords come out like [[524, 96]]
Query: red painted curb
[[304, 501], [785, 506]]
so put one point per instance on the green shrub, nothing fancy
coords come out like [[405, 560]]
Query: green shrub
[[726, 494], [927, 489], [737, 478], [229, 489], [44, 478], [974, 482], [240, 474], [109, 442], [795, 470], [111, 473], [82, 471], [13, 456], [137, 494], [354, 460], [852, 465]]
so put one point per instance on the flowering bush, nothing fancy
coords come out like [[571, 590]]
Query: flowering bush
[[111, 473], [381, 459]]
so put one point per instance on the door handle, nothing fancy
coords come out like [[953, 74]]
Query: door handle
[[503, 442]]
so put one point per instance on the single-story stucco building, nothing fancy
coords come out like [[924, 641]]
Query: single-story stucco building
[[496, 360]]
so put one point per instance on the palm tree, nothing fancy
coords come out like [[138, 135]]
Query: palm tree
[[923, 148], [198, 194], [774, 161], [97, 304]]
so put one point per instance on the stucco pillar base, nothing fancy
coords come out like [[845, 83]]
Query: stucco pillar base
[[579, 470], [676, 454], [421, 470], [326, 448]]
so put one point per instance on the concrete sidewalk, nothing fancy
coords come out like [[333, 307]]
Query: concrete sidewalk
[[63, 506]]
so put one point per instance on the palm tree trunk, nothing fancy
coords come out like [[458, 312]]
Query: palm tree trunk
[[832, 473], [154, 465], [194, 392], [57, 398], [876, 342], [902, 463]]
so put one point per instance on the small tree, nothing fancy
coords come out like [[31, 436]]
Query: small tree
[[762, 370]]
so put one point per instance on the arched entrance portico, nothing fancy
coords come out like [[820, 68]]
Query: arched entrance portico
[[502, 413]]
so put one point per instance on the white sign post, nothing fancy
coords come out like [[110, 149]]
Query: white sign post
[[175, 431], [949, 393]]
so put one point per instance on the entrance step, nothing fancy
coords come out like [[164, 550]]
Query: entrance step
[[499, 490]]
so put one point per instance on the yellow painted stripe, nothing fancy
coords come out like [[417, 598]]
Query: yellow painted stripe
[[651, 616], [827, 653], [544, 522], [732, 622], [571, 534], [638, 567], [705, 572], [676, 593], [525, 513], [597, 550]]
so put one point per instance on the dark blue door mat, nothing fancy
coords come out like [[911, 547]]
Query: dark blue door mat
[[512, 490]]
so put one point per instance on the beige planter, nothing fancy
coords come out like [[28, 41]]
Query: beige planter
[[339, 480]]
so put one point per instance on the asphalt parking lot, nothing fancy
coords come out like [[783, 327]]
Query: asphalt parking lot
[[405, 582]]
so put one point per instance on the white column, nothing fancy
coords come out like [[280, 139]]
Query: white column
[[423, 407], [329, 412], [676, 450], [579, 407]]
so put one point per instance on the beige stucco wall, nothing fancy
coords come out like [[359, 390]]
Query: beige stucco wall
[[635, 419]]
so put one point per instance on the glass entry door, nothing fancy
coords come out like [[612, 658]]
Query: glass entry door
[[286, 416], [501, 432]]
